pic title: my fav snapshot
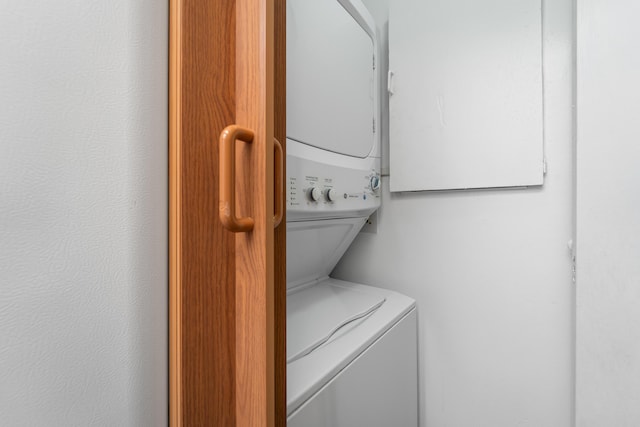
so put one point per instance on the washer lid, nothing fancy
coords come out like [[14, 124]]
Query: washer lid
[[308, 313], [317, 314], [330, 78]]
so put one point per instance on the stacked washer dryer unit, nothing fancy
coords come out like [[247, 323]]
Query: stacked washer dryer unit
[[351, 348]]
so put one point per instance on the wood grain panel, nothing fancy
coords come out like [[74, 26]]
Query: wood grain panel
[[280, 254], [202, 258], [255, 380], [227, 300]]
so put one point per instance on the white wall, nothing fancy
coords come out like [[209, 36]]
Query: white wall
[[608, 219], [491, 273], [83, 222]]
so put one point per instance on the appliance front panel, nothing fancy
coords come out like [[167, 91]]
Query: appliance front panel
[[315, 247], [378, 389], [330, 78], [318, 189]]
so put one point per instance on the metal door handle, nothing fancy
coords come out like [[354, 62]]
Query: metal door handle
[[228, 216], [278, 200]]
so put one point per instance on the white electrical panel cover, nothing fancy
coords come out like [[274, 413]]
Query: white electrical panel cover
[[465, 83]]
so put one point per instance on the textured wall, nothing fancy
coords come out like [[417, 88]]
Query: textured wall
[[83, 223], [608, 218], [491, 274]]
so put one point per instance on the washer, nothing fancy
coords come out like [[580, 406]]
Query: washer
[[365, 373], [351, 348]]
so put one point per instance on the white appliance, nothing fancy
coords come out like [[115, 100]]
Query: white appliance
[[351, 348]]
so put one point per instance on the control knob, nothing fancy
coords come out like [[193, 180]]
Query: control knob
[[331, 195], [315, 194], [375, 183]]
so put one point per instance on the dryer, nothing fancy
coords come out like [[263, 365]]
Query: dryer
[[351, 348]]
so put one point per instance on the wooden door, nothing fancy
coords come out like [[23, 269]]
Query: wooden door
[[227, 290]]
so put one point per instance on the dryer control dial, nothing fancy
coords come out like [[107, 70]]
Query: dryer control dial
[[331, 195], [314, 194], [375, 183]]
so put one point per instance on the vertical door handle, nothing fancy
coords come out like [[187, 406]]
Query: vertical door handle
[[278, 200], [228, 216]]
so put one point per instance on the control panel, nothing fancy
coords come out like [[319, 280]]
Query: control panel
[[318, 190]]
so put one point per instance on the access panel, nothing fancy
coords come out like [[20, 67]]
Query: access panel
[[465, 85]]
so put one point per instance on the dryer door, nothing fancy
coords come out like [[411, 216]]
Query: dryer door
[[330, 78]]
